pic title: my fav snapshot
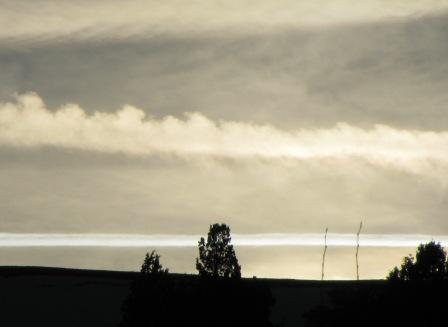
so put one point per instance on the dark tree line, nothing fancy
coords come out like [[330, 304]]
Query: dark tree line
[[217, 297], [414, 294]]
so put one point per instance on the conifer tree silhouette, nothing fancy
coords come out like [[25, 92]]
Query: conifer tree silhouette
[[216, 256]]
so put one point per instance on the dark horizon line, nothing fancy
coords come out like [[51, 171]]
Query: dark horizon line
[[9, 271]]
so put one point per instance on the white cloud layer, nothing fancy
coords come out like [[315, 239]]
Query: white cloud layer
[[134, 240], [28, 123], [99, 19]]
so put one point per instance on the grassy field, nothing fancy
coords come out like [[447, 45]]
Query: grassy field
[[41, 296]]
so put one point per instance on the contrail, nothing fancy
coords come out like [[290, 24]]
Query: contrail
[[242, 240]]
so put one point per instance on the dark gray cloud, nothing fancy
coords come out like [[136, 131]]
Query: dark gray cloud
[[390, 72]]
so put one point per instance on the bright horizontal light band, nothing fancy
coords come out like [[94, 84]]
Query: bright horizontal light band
[[135, 240]]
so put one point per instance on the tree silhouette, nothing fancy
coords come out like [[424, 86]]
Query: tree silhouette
[[151, 264], [405, 272], [216, 256], [429, 264], [430, 261]]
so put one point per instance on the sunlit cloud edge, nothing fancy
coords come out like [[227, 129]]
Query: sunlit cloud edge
[[239, 240], [28, 123]]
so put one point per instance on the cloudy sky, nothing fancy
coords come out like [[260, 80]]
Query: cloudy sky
[[124, 121]]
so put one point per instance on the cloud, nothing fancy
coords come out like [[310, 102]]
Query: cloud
[[240, 240], [28, 123], [47, 19]]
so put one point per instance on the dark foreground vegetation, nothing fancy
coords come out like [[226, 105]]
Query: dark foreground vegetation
[[218, 297], [417, 303], [415, 294], [160, 300], [54, 297]]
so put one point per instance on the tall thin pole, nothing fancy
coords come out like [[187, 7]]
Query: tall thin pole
[[325, 252], [357, 250]]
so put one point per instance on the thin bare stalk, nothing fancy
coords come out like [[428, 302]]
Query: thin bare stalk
[[357, 250], [325, 252]]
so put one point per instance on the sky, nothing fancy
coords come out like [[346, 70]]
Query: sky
[[128, 126]]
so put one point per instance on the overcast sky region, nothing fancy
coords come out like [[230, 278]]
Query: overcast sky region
[[277, 117]]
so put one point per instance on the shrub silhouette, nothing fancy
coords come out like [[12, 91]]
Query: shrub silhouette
[[216, 256], [151, 264]]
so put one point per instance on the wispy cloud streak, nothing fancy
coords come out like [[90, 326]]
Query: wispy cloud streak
[[242, 240], [117, 19], [29, 123]]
